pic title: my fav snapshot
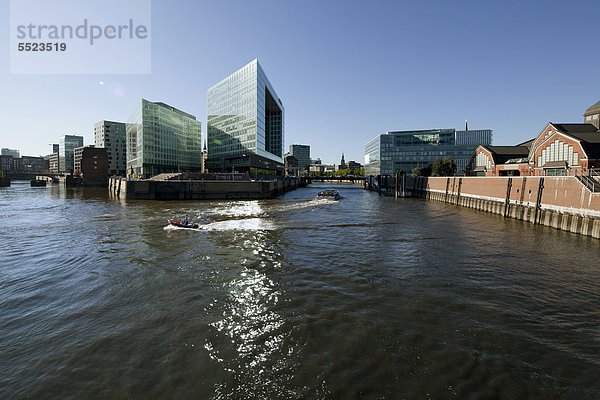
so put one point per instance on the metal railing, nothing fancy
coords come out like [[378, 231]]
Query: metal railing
[[590, 183]]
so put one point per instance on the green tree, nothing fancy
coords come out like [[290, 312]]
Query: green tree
[[416, 171], [426, 171], [444, 167]]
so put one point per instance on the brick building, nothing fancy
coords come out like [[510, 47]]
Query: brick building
[[500, 160], [92, 162], [558, 150], [565, 149]]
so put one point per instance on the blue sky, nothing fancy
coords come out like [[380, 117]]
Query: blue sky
[[345, 70]]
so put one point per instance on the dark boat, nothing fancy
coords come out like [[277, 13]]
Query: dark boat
[[38, 183], [182, 224], [330, 194]]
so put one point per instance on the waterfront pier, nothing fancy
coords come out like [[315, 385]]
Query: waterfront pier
[[201, 189], [569, 203]]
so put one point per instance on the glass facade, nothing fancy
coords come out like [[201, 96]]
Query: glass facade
[[66, 149], [302, 154], [244, 115], [405, 150], [161, 139]]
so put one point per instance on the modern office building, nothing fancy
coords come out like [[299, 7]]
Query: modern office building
[[66, 148], [10, 152], [302, 154], [161, 138], [405, 150], [55, 148], [245, 124], [112, 136]]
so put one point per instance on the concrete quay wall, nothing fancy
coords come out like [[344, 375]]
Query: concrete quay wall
[[199, 190], [560, 202]]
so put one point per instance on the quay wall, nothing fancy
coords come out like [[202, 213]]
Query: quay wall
[[561, 202], [199, 190]]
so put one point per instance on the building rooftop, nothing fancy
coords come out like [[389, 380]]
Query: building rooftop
[[588, 134], [502, 154], [595, 109], [165, 105]]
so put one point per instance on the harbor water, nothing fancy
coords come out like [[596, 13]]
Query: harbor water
[[290, 298]]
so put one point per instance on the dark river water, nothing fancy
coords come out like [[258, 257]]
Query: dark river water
[[291, 298]]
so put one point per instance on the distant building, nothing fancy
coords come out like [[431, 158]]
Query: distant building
[[6, 163], [302, 154], [322, 168], [291, 165], [112, 136], [67, 145], [92, 162], [55, 148], [245, 124], [353, 165], [343, 162], [10, 152], [54, 164], [405, 150], [31, 164], [161, 138]]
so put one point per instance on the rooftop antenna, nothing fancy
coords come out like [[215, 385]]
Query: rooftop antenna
[[466, 125]]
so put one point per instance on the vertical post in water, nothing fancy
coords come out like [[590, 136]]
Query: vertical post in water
[[507, 197], [404, 185], [521, 209], [538, 201], [446, 193], [396, 189]]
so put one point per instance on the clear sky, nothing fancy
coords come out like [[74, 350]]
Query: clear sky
[[345, 70]]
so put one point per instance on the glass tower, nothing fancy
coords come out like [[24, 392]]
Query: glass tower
[[245, 116], [66, 152], [405, 150], [161, 138]]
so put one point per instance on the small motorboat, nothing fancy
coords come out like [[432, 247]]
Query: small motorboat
[[183, 223], [330, 194]]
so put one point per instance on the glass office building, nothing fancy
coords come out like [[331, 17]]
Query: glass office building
[[405, 150], [66, 152], [161, 139], [302, 154], [245, 123]]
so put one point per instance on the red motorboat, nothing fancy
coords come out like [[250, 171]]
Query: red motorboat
[[183, 223]]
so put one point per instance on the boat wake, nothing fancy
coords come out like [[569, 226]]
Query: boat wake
[[247, 224]]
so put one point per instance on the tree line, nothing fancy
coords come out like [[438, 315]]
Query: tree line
[[440, 167]]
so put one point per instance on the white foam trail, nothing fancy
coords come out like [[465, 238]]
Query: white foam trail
[[239, 209], [249, 224]]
